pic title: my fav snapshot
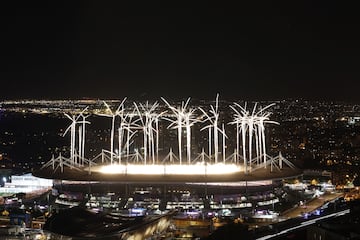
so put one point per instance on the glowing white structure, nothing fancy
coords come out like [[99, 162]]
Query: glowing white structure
[[189, 121], [184, 118], [128, 124], [77, 158], [82, 131], [72, 128], [26, 183], [214, 121], [149, 124], [112, 114], [250, 125]]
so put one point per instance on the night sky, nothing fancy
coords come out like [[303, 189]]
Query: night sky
[[262, 51]]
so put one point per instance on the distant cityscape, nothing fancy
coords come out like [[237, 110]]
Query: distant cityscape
[[313, 135]]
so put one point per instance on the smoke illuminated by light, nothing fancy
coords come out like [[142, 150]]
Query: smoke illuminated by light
[[169, 169]]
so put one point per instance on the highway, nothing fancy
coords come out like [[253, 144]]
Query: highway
[[296, 224]]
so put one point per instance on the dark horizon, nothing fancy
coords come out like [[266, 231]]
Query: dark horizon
[[266, 51], [183, 99]]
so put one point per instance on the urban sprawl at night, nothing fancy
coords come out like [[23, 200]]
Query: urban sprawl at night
[[311, 161]]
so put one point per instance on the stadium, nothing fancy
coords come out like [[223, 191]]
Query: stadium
[[154, 164], [137, 155]]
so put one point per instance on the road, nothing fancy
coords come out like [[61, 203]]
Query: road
[[311, 205], [302, 224], [300, 217]]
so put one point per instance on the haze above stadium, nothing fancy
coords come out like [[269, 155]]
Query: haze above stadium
[[264, 51]]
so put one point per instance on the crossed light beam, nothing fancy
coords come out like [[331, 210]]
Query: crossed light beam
[[127, 124], [185, 118], [81, 136], [250, 124], [118, 112], [149, 124], [213, 120]]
